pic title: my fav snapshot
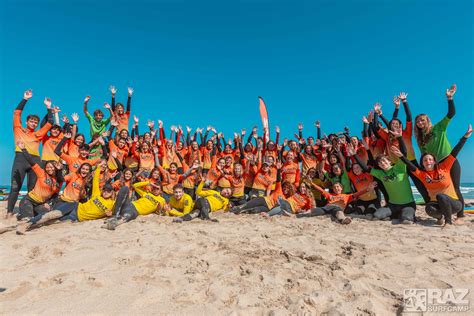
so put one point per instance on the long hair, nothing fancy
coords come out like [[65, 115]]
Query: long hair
[[423, 135]]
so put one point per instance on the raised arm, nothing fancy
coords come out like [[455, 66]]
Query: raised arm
[[450, 94], [461, 142]]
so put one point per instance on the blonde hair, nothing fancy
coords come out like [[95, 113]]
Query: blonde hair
[[423, 135]]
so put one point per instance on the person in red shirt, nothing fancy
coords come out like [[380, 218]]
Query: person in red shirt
[[32, 139]]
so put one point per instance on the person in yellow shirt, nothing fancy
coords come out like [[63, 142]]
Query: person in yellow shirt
[[208, 201], [125, 210], [180, 203], [98, 206]]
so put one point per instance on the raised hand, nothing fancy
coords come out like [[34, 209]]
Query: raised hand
[[106, 134], [135, 139], [67, 135], [285, 142], [469, 131], [47, 102], [300, 126], [160, 123], [58, 165], [87, 98], [155, 150], [243, 131], [114, 153], [28, 94], [173, 128], [130, 91], [213, 129], [396, 151], [378, 108], [55, 109], [135, 119], [365, 120], [209, 127], [114, 122], [189, 129], [396, 101], [254, 129], [101, 140], [279, 165], [317, 124], [107, 106], [403, 96], [277, 129], [370, 116], [113, 90], [151, 124], [451, 91], [64, 119]]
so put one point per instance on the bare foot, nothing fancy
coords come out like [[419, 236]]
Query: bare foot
[[440, 222], [21, 228], [459, 221], [265, 215], [9, 215], [346, 221]]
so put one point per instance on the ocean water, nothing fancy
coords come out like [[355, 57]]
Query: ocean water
[[467, 190]]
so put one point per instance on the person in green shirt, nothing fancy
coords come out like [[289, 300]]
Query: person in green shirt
[[394, 183], [98, 123], [432, 139]]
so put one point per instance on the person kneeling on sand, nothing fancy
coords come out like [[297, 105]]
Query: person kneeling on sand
[[125, 210], [208, 201], [337, 202]]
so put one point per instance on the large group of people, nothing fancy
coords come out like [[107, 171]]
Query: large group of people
[[115, 172]]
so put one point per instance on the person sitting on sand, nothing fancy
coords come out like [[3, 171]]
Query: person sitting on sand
[[180, 203], [208, 201], [436, 178], [98, 206], [46, 187], [337, 202], [124, 210]]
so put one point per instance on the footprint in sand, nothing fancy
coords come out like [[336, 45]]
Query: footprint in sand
[[16, 292], [34, 252]]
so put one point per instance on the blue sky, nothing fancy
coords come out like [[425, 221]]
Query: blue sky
[[199, 62]]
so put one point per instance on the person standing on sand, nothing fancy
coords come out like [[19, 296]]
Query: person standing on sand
[[32, 139]]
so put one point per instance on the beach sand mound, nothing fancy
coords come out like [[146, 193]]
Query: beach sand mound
[[243, 265]]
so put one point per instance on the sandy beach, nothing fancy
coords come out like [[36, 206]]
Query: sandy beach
[[243, 265]]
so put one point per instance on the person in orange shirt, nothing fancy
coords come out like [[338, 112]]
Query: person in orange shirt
[[121, 116], [299, 202], [76, 182], [125, 180], [265, 204], [75, 163], [46, 186], [263, 181], [32, 139], [436, 178], [145, 156], [236, 182], [337, 202], [291, 170], [50, 142]]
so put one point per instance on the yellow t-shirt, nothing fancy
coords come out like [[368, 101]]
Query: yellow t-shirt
[[181, 207], [148, 203], [215, 199], [96, 207]]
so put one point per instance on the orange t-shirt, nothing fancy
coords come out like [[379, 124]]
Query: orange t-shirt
[[340, 200], [300, 202], [75, 163], [291, 172], [31, 139], [439, 180], [74, 186], [45, 187], [272, 199], [361, 182], [49, 145], [262, 181], [122, 121]]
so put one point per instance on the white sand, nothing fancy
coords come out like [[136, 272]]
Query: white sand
[[243, 265]]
